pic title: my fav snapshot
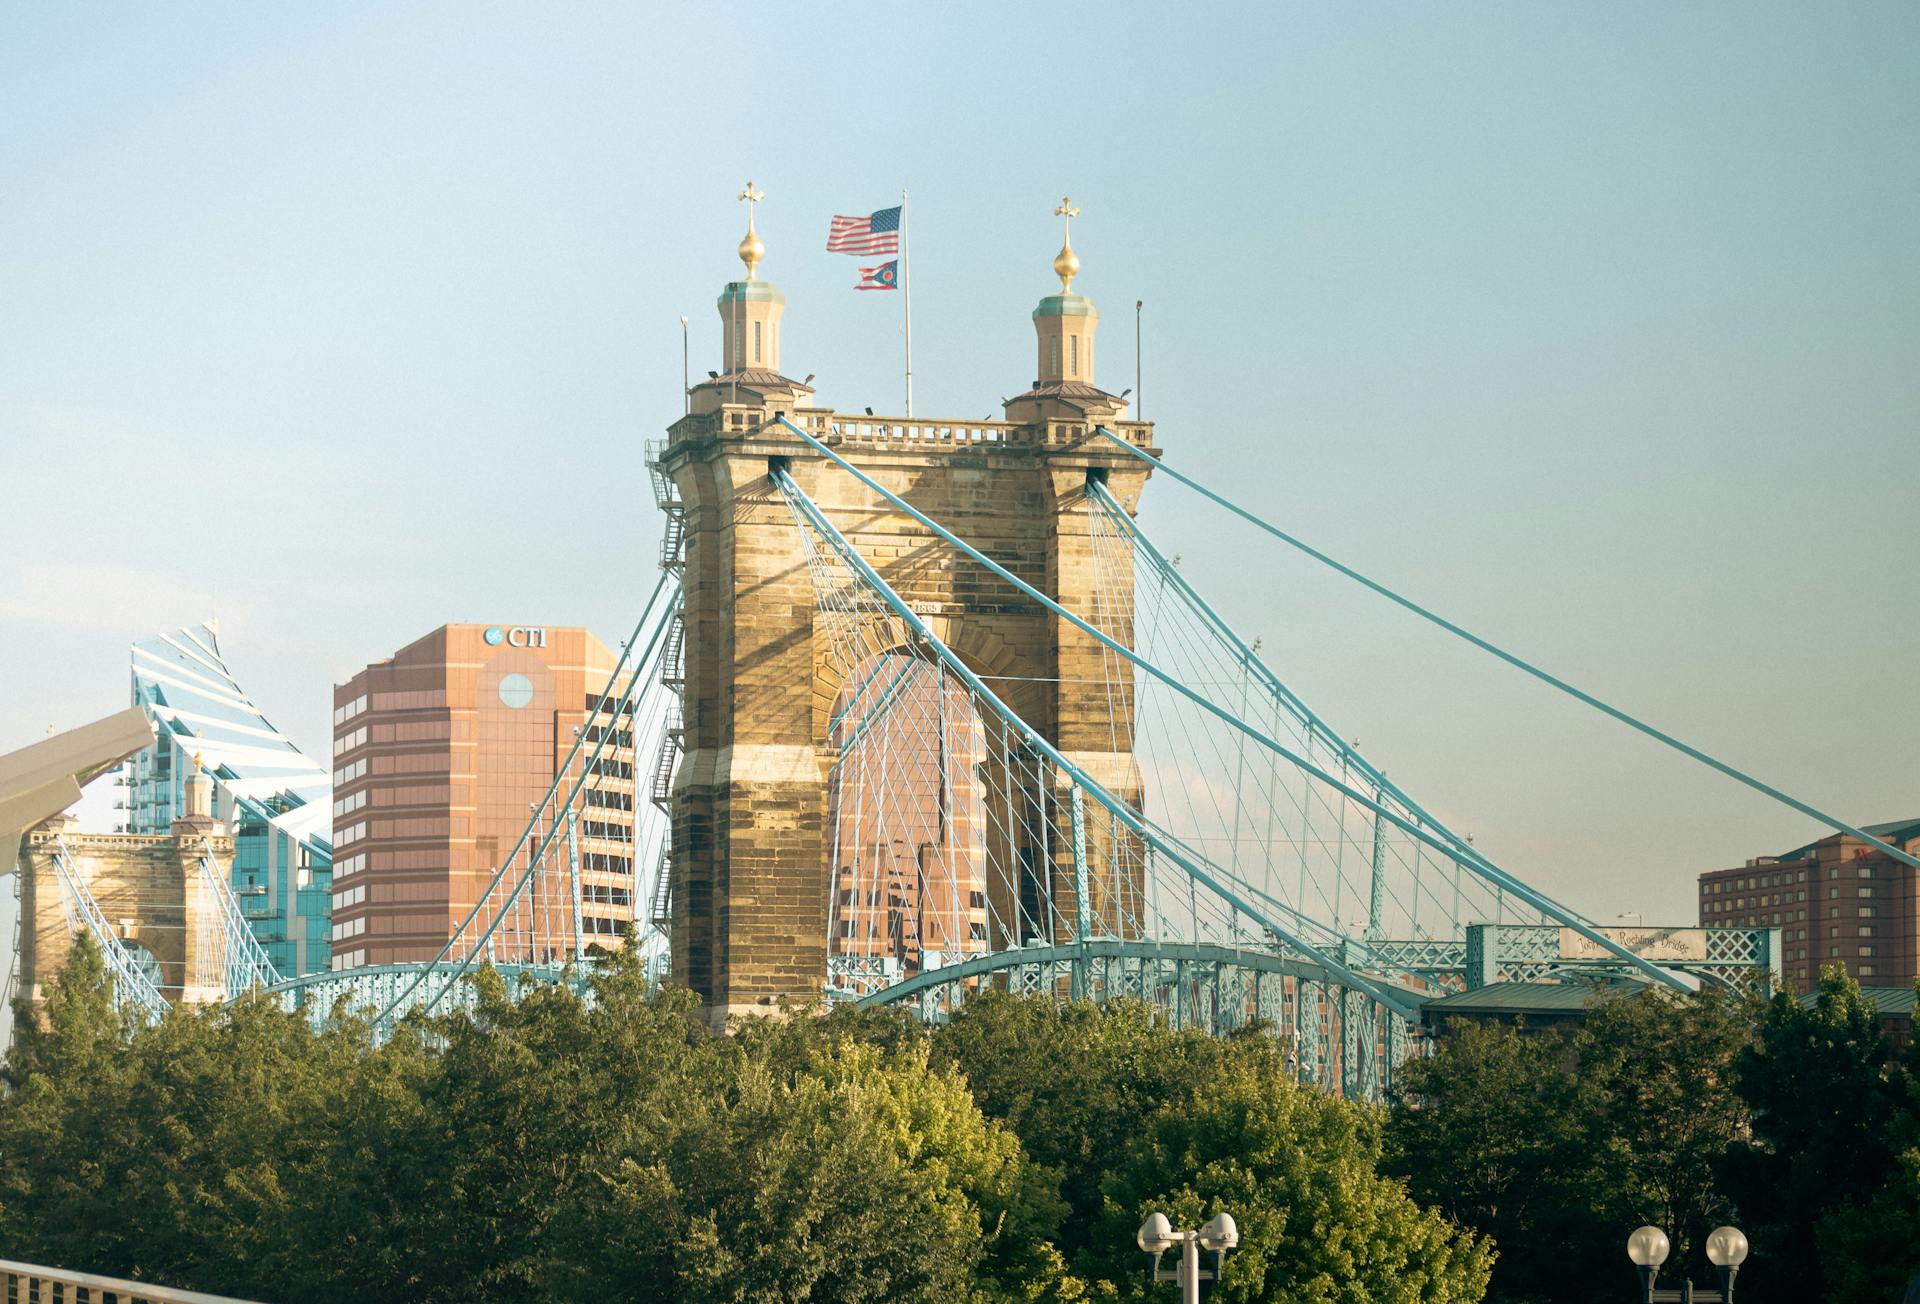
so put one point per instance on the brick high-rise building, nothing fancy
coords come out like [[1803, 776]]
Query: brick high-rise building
[[440, 752], [1838, 901]]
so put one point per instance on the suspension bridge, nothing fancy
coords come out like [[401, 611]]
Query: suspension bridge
[[919, 708]]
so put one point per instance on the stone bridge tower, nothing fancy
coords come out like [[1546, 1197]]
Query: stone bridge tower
[[149, 887], [750, 883]]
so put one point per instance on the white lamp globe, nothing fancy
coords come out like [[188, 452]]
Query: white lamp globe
[[1648, 1247], [1156, 1234], [1727, 1247], [1222, 1233]]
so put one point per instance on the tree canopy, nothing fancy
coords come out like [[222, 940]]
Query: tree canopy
[[1684, 1112], [560, 1148], [609, 1144]]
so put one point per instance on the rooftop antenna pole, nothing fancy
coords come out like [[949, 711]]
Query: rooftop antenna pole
[[1139, 408], [906, 295]]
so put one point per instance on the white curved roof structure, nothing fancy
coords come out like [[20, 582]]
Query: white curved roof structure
[[44, 778], [183, 683]]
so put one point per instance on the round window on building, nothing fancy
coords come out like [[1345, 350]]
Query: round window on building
[[516, 690]]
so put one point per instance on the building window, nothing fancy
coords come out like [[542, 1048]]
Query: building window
[[1073, 354], [1866, 912], [1866, 930], [1866, 892], [756, 341], [1053, 357], [1865, 970], [739, 340]]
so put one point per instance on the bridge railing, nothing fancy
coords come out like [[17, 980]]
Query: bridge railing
[[385, 992], [30, 1283]]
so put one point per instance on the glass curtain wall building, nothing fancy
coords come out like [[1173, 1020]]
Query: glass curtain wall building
[[266, 790]]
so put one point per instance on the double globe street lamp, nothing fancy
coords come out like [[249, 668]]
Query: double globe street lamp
[[1156, 1237], [1726, 1250]]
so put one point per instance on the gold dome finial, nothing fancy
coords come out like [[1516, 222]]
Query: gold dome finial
[[1066, 265], [751, 249]]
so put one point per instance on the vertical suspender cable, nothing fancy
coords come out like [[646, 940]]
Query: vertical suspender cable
[[1473, 859], [1039, 744]]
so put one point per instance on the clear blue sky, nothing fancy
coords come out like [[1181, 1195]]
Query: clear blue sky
[[1594, 326]]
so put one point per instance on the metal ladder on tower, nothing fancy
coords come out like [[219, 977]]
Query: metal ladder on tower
[[661, 789], [662, 915], [666, 496], [673, 661], [673, 676]]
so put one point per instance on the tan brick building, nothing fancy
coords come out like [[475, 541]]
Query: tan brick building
[[1837, 901], [440, 753]]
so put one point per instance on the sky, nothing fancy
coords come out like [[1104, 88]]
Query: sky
[[1593, 327]]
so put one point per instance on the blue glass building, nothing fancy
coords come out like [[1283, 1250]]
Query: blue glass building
[[272, 796]]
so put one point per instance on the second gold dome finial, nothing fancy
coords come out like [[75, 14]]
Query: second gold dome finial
[[751, 248], [1066, 265]]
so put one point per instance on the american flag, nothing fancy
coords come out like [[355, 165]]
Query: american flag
[[877, 233], [884, 277]]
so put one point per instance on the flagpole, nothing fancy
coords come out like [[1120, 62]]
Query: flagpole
[[906, 295]]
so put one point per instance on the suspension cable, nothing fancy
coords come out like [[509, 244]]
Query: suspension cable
[[1474, 859], [1543, 676], [1249, 660], [861, 567]]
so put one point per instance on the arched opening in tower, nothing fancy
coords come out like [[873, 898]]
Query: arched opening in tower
[[907, 819]]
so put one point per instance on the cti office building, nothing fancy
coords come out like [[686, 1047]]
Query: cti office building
[[440, 754]]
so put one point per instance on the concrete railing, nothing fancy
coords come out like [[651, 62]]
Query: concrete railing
[[942, 432], [27, 1283], [919, 433]]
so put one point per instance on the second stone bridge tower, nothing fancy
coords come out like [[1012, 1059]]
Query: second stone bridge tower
[[750, 880]]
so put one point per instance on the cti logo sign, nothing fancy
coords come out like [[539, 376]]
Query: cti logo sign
[[515, 636]]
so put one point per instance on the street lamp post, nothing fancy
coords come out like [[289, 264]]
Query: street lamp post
[[1726, 1250], [1156, 1237]]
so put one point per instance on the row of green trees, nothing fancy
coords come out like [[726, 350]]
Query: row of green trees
[[613, 1148], [1791, 1122], [557, 1148]]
